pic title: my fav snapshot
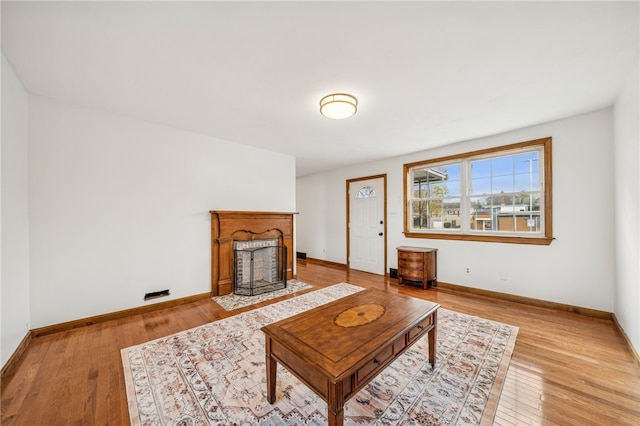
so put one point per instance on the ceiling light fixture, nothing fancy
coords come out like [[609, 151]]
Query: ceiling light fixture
[[338, 106]]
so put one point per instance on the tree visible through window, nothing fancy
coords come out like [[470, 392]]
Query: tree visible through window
[[501, 194]]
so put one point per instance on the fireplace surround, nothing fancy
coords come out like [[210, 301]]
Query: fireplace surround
[[227, 227]]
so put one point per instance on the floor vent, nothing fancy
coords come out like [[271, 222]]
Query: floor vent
[[155, 294]]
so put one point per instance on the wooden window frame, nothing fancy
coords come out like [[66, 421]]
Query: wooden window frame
[[547, 237]]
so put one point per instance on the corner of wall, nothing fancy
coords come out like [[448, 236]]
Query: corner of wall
[[627, 206], [14, 229]]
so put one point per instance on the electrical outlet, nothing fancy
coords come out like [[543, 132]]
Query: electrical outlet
[[467, 271]]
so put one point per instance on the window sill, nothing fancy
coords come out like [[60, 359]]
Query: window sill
[[542, 241]]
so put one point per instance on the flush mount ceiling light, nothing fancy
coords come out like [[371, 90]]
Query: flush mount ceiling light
[[338, 106]]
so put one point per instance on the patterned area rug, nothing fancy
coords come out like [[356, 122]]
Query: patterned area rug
[[215, 375], [233, 301]]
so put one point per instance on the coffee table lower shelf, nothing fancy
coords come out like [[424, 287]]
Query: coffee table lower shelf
[[337, 348]]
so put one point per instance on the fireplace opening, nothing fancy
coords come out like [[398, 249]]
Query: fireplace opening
[[259, 267]]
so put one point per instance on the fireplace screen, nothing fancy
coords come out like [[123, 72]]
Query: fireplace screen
[[259, 267]]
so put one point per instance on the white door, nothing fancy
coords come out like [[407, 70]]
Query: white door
[[367, 225]]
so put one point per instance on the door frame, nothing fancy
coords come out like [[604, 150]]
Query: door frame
[[384, 207]]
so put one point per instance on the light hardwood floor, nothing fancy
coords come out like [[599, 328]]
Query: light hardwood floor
[[567, 369]]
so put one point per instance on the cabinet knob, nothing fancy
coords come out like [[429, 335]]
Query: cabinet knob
[[380, 234]]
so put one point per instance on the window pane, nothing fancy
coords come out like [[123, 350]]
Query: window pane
[[481, 186], [519, 222], [451, 214], [527, 182], [436, 215], [481, 214], [481, 168], [366, 192], [507, 183], [419, 190], [447, 188], [419, 215], [454, 188], [444, 189], [525, 162], [502, 166], [527, 173], [502, 184], [534, 202], [436, 197]]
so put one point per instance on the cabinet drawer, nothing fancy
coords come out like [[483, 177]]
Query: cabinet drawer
[[420, 329], [410, 256], [375, 365], [378, 363], [410, 264], [411, 274]]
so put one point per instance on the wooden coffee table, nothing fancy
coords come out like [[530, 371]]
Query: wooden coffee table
[[338, 348]]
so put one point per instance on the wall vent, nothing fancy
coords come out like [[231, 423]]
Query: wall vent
[[155, 294], [393, 273]]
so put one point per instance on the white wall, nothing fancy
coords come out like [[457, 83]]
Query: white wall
[[627, 208], [14, 263], [120, 207], [576, 269]]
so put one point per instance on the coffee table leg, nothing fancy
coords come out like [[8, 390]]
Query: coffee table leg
[[432, 341], [335, 404], [271, 372]]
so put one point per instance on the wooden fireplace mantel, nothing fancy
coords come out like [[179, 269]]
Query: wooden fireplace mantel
[[230, 226]]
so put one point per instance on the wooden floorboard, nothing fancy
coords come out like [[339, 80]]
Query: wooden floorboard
[[567, 369]]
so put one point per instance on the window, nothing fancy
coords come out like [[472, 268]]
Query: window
[[501, 195], [366, 192]]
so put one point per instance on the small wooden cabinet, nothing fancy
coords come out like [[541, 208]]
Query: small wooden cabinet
[[418, 264]]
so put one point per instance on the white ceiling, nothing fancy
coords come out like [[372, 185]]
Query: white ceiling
[[425, 73]]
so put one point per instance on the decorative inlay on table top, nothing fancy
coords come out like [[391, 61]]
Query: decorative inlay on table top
[[359, 315]]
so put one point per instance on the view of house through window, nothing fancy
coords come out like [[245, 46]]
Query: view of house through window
[[481, 195]]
